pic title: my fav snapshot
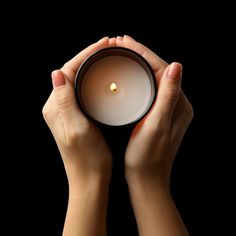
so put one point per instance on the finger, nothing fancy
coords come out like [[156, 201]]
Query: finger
[[128, 36], [168, 93], [112, 42], [49, 109], [64, 96], [71, 67], [158, 65]]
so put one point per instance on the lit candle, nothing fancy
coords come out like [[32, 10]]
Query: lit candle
[[115, 86]]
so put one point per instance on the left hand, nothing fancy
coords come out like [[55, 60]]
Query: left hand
[[83, 149]]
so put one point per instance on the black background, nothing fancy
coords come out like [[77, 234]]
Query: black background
[[43, 39]]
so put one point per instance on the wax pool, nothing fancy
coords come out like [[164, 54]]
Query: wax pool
[[116, 90]]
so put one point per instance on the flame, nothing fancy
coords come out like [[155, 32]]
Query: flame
[[113, 87]]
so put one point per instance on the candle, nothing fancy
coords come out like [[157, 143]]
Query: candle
[[115, 86]]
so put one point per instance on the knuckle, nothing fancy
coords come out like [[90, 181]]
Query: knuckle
[[188, 111], [66, 65], [76, 134], [45, 111], [64, 103], [72, 137]]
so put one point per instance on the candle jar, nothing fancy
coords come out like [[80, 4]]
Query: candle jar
[[115, 87]]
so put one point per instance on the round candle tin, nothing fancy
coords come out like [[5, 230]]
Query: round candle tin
[[115, 86]]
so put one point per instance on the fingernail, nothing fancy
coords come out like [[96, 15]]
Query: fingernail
[[119, 38], [103, 39], [58, 79], [174, 71], [129, 37]]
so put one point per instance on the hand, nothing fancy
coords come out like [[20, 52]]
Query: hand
[[152, 148], [86, 156], [155, 140], [83, 149]]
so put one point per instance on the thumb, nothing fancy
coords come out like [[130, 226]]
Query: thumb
[[64, 94], [168, 92]]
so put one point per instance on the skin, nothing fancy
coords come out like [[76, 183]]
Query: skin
[[152, 148], [149, 155]]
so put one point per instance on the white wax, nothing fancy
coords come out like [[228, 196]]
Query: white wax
[[125, 105]]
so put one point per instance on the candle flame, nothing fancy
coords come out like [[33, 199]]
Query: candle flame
[[113, 87]]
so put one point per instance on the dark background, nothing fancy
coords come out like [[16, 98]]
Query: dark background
[[42, 39]]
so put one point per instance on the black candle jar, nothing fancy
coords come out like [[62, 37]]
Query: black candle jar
[[115, 87]]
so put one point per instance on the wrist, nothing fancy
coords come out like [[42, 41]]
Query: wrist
[[82, 174], [149, 174], [89, 184], [142, 181], [148, 190]]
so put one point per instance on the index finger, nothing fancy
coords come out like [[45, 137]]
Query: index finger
[[70, 68], [158, 65]]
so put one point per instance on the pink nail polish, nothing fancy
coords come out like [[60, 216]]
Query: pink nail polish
[[58, 78]]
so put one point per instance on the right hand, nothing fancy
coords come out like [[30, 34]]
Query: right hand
[[156, 138]]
